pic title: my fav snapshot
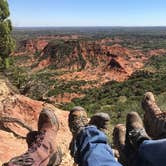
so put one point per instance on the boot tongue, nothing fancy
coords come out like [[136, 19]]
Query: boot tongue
[[46, 126]]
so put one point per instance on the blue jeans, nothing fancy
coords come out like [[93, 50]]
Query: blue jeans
[[92, 149], [152, 153]]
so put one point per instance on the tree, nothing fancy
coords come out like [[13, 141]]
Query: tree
[[7, 44]]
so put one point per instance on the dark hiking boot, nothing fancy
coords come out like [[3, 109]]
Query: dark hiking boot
[[135, 135], [100, 120], [77, 119], [135, 132], [42, 148]]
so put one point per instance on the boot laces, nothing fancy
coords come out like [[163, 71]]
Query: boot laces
[[37, 142], [79, 122], [136, 134], [26, 159]]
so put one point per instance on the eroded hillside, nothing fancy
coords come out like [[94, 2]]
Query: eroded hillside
[[75, 65], [65, 66]]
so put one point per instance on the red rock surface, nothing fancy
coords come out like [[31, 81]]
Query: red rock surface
[[114, 63], [64, 98], [31, 46], [27, 110], [97, 55], [157, 52]]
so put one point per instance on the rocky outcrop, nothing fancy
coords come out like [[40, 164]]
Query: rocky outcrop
[[104, 63], [70, 52], [30, 47], [79, 57], [73, 54], [157, 52], [63, 98], [17, 107], [84, 59], [33, 46]]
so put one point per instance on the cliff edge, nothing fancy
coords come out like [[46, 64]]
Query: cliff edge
[[25, 112]]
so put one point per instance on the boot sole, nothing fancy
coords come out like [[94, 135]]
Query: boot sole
[[56, 158]]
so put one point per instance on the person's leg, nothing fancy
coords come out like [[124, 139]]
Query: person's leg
[[90, 144], [92, 148], [152, 153], [135, 135], [139, 149], [42, 148], [77, 119]]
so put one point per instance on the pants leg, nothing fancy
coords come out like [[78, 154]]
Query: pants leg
[[92, 149], [152, 153]]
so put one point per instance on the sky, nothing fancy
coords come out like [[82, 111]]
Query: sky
[[31, 13]]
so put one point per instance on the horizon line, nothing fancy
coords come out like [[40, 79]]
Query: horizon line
[[118, 26]]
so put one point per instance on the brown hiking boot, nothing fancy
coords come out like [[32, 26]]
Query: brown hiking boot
[[154, 118], [42, 149], [119, 135], [135, 135], [135, 132], [149, 104], [77, 119], [100, 120]]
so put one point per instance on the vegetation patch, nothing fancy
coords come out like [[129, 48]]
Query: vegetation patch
[[118, 99]]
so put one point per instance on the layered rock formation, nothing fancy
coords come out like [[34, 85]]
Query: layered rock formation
[[89, 60], [30, 47]]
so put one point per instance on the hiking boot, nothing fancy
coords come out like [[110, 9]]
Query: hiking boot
[[135, 135], [42, 149], [154, 118], [149, 104], [119, 134], [135, 132], [77, 119], [100, 120]]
